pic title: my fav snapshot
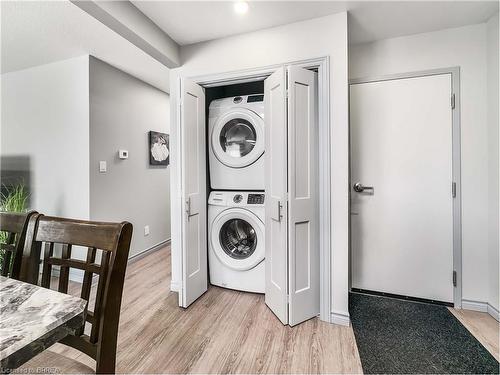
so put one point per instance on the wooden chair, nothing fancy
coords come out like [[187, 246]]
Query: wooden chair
[[15, 225], [112, 240]]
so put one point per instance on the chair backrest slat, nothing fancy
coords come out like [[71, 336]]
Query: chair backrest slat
[[47, 266], [75, 263], [99, 295], [87, 276], [87, 285], [64, 271]]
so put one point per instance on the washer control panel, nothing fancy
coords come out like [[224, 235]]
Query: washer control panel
[[255, 199], [236, 198]]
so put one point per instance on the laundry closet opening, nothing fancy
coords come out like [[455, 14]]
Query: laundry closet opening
[[251, 187], [235, 185]]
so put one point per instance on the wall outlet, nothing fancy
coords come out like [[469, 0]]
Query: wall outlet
[[146, 230]]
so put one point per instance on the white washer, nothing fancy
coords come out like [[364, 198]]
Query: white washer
[[236, 240], [236, 143]]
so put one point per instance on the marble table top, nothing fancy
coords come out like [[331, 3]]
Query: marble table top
[[30, 318]]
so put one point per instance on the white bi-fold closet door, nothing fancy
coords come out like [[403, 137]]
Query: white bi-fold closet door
[[194, 194], [292, 219], [292, 209]]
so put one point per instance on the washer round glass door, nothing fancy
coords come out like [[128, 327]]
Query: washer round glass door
[[237, 238], [238, 138]]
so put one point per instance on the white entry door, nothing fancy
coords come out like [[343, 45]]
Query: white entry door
[[402, 205], [292, 218], [194, 196]]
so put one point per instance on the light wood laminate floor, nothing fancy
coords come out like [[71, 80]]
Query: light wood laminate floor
[[225, 332], [483, 327]]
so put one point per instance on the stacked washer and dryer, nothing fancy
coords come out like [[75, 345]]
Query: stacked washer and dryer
[[236, 203]]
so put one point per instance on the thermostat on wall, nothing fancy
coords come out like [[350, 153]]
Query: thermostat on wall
[[123, 154]]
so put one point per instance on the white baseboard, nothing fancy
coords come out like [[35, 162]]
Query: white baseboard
[[174, 286], [340, 318], [494, 312], [149, 250], [474, 305], [481, 307]]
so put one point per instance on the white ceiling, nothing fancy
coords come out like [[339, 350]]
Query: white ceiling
[[40, 32], [190, 22], [37, 33]]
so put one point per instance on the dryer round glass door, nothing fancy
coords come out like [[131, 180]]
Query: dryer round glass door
[[238, 138], [237, 239]]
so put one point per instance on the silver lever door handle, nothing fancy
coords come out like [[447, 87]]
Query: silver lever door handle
[[188, 207], [358, 188], [280, 207]]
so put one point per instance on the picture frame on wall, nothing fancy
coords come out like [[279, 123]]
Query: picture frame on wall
[[159, 153]]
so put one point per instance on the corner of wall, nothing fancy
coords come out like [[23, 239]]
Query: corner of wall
[[492, 29]]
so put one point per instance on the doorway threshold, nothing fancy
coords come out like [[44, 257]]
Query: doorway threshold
[[401, 297]]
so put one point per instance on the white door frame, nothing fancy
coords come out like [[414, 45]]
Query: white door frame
[[456, 163], [322, 64]]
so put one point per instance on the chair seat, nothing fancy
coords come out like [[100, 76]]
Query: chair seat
[[51, 362]]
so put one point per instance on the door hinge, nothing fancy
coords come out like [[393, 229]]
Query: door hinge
[[454, 189], [455, 278], [288, 298], [452, 101]]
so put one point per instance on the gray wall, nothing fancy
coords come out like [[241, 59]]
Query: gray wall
[[123, 110]]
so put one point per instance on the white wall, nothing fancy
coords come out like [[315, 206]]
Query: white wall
[[493, 159], [325, 36], [464, 47], [45, 115], [123, 109]]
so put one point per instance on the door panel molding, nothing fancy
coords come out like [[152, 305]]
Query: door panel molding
[[456, 160]]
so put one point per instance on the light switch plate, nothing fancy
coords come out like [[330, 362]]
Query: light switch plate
[[103, 166], [146, 230]]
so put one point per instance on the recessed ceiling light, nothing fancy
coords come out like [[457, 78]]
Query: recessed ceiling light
[[241, 7]]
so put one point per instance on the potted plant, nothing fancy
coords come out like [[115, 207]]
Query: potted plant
[[14, 200]]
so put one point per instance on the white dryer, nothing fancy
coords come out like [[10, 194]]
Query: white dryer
[[236, 240], [236, 143]]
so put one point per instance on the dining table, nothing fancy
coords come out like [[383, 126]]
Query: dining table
[[32, 319]]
